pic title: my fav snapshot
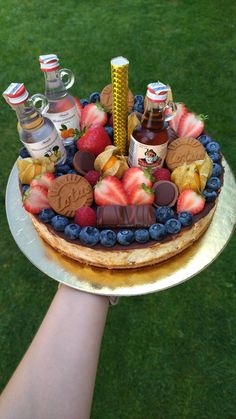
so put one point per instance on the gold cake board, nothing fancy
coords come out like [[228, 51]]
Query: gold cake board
[[120, 282]]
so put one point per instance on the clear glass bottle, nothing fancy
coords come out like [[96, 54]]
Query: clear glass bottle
[[148, 143], [37, 133], [62, 108]]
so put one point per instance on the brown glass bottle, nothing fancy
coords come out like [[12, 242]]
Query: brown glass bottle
[[148, 145]]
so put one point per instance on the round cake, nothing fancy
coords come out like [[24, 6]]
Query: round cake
[[97, 210]]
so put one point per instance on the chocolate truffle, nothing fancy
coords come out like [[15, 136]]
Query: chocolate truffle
[[83, 162], [166, 193]]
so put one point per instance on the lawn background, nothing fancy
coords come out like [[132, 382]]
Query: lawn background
[[165, 355]]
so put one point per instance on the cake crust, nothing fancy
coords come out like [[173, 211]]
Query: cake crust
[[127, 258]]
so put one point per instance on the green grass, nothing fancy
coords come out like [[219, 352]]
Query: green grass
[[166, 355]]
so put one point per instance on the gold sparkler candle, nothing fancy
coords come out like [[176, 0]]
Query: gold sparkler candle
[[119, 76]]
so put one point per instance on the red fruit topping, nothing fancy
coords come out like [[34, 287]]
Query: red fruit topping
[[85, 216], [190, 125], [94, 140], [181, 111], [44, 180], [109, 191], [93, 114], [161, 174], [35, 199], [92, 177], [134, 177], [141, 194], [191, 201]]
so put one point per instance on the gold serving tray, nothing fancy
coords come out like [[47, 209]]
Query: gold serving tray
[[120, 282]]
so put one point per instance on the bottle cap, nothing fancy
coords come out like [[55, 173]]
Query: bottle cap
[[16, 94], [157, 92], [49, 62]]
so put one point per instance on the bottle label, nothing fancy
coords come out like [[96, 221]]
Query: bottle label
[[50, 146], [67, 123], [144, 155]]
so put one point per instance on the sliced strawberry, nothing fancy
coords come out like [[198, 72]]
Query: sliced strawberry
[[190, 125], [109, 191], [180, 112], [92, 114], [35, 199], [141, 194], [191, 201], [44, 180], [95, 139], [134, 177]]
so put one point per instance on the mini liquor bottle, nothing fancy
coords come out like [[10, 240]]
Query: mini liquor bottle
[[148, 144], [37, 133], [62, 108]]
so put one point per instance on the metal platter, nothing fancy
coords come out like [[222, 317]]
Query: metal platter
[[114, 282]]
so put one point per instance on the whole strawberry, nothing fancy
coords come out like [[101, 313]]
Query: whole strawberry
[[95, 139]]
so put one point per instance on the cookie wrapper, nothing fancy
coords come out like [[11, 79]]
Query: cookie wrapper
[[119, 76]]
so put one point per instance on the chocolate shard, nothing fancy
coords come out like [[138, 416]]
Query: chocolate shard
[[117, 216]]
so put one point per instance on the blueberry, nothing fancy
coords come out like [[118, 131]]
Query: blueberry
[[157, 231], [94, 97], [215, 157], [71, 148], [186, 218], [214, 183], [69, 159], [139, 107], [46, 215], [25, 188], [63, 168], [125, 237], [24, 153], [204, 139], [216, 169], [84, 102], [138, 99], [72, 172], [107, 238], [173, 226], [58, 174], [210, 196], [213, 147], [89, 236], [109, 131], [164, 213], [141, 235], [59, 222], [72, 231]]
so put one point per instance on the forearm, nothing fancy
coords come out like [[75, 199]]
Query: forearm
[[56, 377]]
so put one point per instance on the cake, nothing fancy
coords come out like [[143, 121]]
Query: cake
[[88, 209]]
